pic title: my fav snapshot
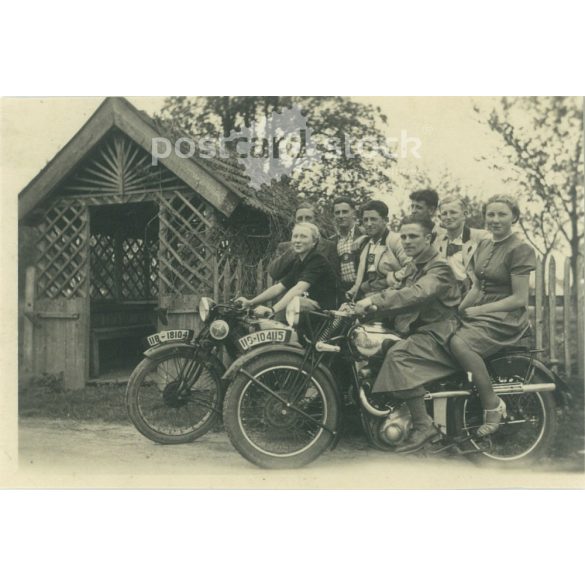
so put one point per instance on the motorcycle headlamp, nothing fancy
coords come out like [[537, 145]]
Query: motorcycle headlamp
[[205, 305], [219, 329], [293, 310]]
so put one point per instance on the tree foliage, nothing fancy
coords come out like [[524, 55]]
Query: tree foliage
[[347, 136], [543, 145]]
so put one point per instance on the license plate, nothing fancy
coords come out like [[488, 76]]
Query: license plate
[[266, 336], [170, 335]]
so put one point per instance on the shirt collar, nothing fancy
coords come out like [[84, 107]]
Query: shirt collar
[[426, 255], [350, 234], [309, 254], [382, 238]]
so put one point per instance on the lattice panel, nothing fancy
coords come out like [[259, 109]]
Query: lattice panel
[[119, 168], [125, 270], [187, 245], [103, 280], [62, 260]]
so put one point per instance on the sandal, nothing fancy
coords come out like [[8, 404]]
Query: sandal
[[491, 420]]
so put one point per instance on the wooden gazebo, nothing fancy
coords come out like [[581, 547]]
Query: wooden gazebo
[[121, 242]]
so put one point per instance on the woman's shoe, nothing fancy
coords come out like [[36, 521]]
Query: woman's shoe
[[491, 420]]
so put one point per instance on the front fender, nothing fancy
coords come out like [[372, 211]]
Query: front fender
[[163, 349], [235, 366]]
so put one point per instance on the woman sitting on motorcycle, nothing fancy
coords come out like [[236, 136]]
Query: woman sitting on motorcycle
[[494, 312], [310, 274]]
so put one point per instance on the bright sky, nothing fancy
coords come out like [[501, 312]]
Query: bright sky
[[34, 129]]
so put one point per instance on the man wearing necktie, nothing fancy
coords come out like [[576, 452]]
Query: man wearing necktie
[[458, 243]]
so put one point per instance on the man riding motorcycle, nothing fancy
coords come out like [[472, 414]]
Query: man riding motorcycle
[[424, 308]]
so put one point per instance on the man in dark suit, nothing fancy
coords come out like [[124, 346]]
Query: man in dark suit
[[285, 256]]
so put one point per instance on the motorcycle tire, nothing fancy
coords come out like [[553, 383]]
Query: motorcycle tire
[[265, 430], [525, 435], [162, 411]]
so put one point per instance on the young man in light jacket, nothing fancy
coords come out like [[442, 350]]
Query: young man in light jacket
[[382, 254], [458, 243]]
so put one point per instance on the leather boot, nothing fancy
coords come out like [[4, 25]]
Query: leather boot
[[423, 428], [418, 439]]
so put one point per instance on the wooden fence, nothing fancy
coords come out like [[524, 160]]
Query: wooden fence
[[556, 317]]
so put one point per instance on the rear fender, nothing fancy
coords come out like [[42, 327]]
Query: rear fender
[[562, 393]]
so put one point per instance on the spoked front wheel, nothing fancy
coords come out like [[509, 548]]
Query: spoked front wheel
[[175, 398], [281, 417]]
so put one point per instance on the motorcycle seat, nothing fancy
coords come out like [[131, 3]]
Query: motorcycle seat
[[524, 345]]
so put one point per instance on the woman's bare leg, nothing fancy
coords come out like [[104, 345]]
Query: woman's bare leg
[[472, 362]]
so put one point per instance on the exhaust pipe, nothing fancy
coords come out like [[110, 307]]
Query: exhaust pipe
[[369, 408], [511, 388]]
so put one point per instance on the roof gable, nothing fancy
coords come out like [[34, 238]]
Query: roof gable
[[119, 113]]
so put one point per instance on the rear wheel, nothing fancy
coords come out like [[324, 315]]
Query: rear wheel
[[525, 435], [272, 430], [175, 398]]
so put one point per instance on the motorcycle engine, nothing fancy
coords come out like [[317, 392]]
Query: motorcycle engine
[[368, 339], [394, 428]]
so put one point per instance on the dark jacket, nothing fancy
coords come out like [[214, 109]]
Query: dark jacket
[[285, 257], [429, 293]]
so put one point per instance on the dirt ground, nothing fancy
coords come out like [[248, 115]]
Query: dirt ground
[[97, 454]]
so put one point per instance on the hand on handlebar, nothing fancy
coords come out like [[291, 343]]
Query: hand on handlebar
[[263, 311], [243, 302], [362, 308]]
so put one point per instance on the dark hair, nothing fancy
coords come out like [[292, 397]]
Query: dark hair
[[506, 200], [347, 200], [305, 205], [428, 196], [379, 206], [426, 224]]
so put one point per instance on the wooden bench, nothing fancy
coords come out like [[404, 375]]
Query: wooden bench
[[104, 333], [116, 321]]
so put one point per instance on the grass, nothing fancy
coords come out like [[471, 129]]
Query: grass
[[44, 396]]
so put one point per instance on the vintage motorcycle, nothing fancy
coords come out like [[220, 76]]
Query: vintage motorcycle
[[175, 393], [285, 405]]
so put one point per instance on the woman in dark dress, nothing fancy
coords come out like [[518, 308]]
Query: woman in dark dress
[[310, 274], [494, 312]]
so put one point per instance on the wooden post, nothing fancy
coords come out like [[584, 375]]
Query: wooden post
[[538, 304], [580, 284], [29, 311], [237, 289], [552, 312], [118, 264], [567, 307], [215, 267], [259, 278]]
